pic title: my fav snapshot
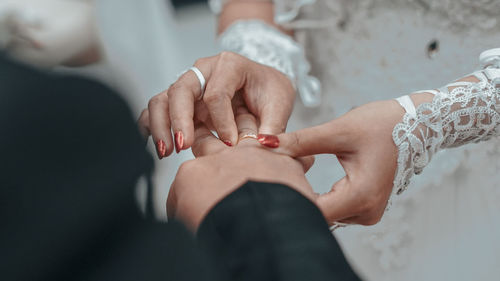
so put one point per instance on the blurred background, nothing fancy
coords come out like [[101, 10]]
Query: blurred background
[[136, 47]]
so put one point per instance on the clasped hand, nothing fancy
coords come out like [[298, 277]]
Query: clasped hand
[[361, 140]]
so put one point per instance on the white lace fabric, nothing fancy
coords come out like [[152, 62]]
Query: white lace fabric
[[468, 113], [266, 45]]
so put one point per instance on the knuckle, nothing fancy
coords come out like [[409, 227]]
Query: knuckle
[[174, 88], [187, 168], [295, 140], [372, 208], [216, 98], [157, 100], [372, 219], [201, 61], [227, 55]]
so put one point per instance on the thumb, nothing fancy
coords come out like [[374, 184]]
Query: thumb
[[325, 138], [340, 202]]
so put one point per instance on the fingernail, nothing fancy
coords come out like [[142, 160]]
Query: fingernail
[[161, 148], [179, 141], [271, 141], [228, 143]]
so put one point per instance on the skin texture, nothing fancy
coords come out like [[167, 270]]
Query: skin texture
[[362, 142], [223, 169], [267, 93], [231, 80]]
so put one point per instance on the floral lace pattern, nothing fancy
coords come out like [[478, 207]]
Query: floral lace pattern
[[266, 45], [468, 113]]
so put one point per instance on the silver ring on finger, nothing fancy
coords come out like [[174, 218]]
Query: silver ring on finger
[[202, 80]]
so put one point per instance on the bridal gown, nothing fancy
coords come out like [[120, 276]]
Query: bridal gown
[[447, 224]]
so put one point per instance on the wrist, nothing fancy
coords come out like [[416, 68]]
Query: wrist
[[266, 45]]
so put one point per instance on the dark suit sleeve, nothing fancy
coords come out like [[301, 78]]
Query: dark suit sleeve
[[266, 231], [71, 156]]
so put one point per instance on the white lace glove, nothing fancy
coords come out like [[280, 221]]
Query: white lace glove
[[265, 44], [460, 113]]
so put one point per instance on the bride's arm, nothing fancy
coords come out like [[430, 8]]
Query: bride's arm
[[269, 67], [248, 27], [381, 145], [236, 10], [462, 112]]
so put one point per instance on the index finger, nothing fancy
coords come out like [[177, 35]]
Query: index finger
[[183, 94]]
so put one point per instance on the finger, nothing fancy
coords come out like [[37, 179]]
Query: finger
[[273, 118], [329, 137], [183, 94], [205, 142], [143, 123], [307, 162], [340, 202], [171, 202], [159, 124], [247, 126], [226, 79]]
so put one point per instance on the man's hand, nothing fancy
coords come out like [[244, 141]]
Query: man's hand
[[218, 170]]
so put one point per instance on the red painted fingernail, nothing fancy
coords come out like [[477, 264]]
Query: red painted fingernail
[[228, 143], [271, 141], [161, 148], [179, 141]]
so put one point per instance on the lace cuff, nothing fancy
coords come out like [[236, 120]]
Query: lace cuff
[[469, 112], [266, 45]]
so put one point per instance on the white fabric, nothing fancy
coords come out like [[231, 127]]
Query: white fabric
[[265, 44], [47, 32], [469, 113], [406, 102]]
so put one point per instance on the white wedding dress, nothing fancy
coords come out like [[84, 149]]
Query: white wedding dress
[[447, 224]]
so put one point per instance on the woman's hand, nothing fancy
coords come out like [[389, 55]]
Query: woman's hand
[[362, 142], [218, 170], [266, 92]]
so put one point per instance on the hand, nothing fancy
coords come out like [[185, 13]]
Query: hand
[[267, 93], [362, 142], [218, 170]]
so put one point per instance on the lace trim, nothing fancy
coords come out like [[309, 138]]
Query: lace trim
[[469, 113], [266, 45]]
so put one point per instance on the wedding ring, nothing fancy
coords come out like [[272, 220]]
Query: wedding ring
[[202, 80], [248, 136]]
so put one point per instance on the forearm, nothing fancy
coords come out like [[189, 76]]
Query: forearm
[[236, 10], [247, 27], [462, 112]]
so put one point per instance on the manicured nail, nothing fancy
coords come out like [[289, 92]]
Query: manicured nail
[[228, 143], [179, 141], [161, 148], [271, 141]]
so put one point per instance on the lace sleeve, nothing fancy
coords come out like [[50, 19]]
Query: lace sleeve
[[264, 44], [460, 113]]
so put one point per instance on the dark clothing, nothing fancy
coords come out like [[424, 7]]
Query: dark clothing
[[70, 158], [266, 231]]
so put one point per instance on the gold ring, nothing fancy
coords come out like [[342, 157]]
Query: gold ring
[[248, 136]]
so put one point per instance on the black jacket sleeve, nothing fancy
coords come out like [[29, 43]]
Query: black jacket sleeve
[[71, 155], [266, 231]]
